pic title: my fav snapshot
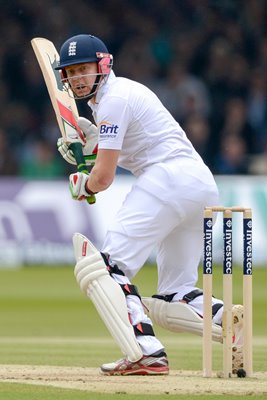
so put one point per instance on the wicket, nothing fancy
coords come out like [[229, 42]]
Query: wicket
[[227, 289]]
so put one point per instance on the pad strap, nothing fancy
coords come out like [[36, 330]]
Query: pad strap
[[143, 329], [192, 295], [130, 290], [198, 292], [127, 288], [188, 298], [112, 269], [167, 297]]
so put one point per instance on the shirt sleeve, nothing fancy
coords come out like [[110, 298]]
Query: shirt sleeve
[[113, 121]]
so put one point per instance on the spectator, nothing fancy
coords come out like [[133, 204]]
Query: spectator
[[236, 123], [184, 93], [232, 157], [198, 131]]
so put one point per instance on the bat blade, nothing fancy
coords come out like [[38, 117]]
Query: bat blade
[[64, 106]]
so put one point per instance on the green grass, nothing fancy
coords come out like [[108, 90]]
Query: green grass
[[45, 320], [25, 392]]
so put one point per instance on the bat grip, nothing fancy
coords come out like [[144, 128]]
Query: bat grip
[[77, 150]]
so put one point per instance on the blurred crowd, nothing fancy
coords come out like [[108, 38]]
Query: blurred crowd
[[205, 59]]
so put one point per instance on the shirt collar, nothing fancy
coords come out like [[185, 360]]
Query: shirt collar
[[102, 90]]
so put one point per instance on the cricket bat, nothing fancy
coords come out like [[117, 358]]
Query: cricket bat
[[64, 105]]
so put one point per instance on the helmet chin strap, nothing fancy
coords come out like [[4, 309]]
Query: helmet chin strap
[[92, 92], [94, 88]]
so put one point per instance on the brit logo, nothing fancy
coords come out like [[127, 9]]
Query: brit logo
[[72, 48], [108, 130]]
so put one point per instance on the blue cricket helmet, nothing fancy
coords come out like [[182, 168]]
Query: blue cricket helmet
[[81, 49]]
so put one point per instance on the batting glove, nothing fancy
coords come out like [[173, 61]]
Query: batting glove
[[90, 147], [77, 184]]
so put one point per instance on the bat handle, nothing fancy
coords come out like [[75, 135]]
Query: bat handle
[[77, 150]]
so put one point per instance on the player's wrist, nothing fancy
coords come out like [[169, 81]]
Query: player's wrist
[[88, 190]]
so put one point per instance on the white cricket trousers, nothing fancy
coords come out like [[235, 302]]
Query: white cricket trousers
[[163, 211]]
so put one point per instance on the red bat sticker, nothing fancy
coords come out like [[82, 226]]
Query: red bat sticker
[[70, 124]]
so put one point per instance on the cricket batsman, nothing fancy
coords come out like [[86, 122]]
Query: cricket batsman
[[164, 209]]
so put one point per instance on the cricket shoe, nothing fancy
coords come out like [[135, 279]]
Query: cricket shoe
[[155, 364], [237, 346]]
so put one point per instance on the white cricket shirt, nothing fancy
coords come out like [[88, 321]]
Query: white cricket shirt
[[164, 207], [131, 118]]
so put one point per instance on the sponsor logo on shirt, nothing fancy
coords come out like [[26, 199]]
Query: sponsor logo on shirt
[[108, 130]]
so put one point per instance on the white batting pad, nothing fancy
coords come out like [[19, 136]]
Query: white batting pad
[[178, 317], [106, 294]]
